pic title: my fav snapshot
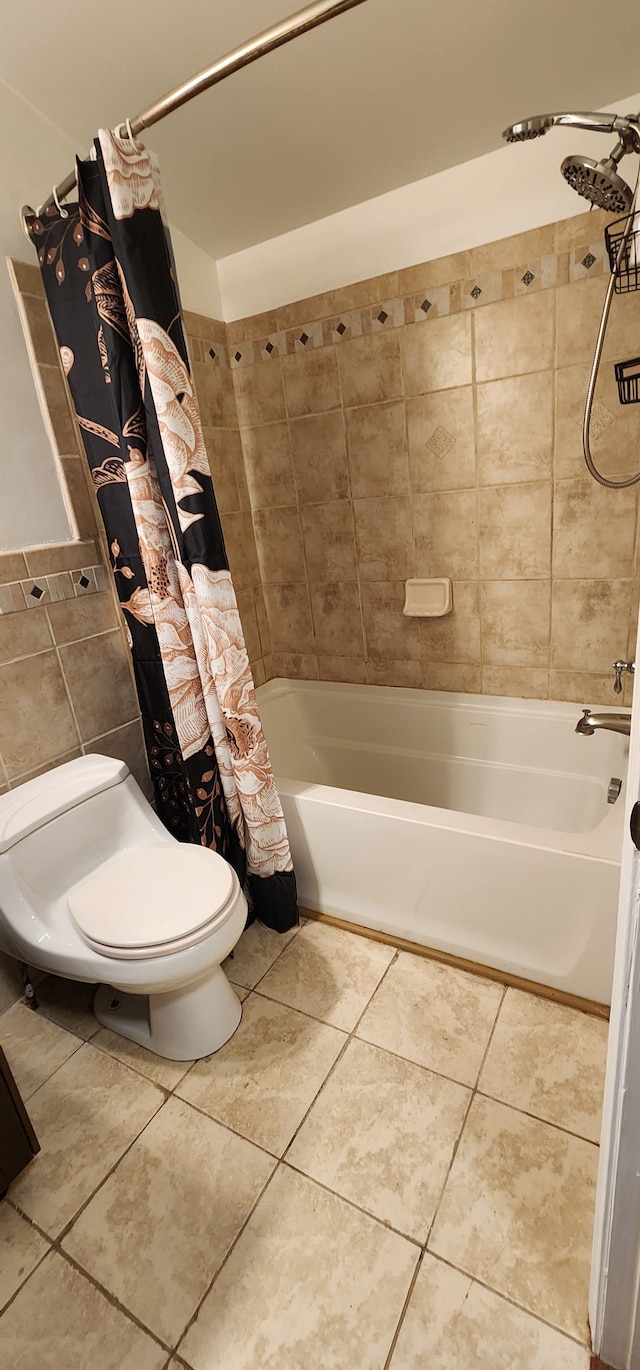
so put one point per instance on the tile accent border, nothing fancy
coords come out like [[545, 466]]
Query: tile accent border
[[19, 595]]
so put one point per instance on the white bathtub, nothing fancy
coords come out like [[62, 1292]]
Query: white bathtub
[[476, 826]]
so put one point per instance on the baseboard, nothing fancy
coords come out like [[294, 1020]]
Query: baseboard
[[597, 1364], [503, 977]]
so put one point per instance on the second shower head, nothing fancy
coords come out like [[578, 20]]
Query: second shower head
[[597, 182]]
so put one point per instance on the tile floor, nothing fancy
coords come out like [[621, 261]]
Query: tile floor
[[391, 1164]]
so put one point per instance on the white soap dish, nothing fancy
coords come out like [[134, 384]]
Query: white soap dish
[[428, 598]]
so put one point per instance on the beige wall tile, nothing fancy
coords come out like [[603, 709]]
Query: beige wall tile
[[441, 440], [310, 381], [319, 457], [580, 228], [445, 530], [85, 616], [515, 429], [259, 393], [329, 542], [515, 531], [41, 334], [249, 620], [56, 397], [589, 623], [516, 622], [295, 666], [615, 428], [36, 723], [455, 676], [267, 454], [12, 567], [370, 368], [377, 446], [352, 670], [240, 543], [516, 682], [388, 633], [515, 336], [400, 675], [579, 307], [456, 637], [279, 544], [290, 618], [594, 530], [585, 688], [536, 242], [438, 272], [384, 537], [127, 744], [62, 556], [23, 634], [98, 676], [337, 620], [436, 354], [224, 451]]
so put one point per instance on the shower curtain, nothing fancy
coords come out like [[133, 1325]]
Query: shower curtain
[[110, 280]]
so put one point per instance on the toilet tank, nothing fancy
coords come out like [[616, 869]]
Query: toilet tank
[[57, 829]]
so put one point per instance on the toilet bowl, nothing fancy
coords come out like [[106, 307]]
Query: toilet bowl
[[93, 887]]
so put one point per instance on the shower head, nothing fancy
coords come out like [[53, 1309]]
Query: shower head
[[598, 182]]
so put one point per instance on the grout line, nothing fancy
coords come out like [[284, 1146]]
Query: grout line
[[404, 1310], [507, 1298]]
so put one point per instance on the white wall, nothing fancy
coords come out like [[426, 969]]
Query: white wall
[[32, 153], [197, 277], [517, 187]]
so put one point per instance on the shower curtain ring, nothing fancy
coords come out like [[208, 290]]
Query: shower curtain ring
[[127, 124], [64, 213]]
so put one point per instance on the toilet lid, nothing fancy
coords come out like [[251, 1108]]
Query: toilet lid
[[152, 895]]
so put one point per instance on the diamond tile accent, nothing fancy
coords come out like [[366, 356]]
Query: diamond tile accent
[[588, 261], [304, 338], [601, 419], [440, 442], [476, 292], [238, 356], [382, 316], [212, 354], [83, 581], [37, 592], [269, 348], [425, 306], [528, 277], [341, 328]]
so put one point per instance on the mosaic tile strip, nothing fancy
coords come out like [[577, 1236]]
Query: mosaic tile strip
[[19, 595]]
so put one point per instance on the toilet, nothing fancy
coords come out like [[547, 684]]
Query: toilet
[[93, 887]]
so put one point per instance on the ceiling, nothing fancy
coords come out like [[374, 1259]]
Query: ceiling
[[383, 95]]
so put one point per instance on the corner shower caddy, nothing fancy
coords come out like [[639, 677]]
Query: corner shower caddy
[[622, 239]]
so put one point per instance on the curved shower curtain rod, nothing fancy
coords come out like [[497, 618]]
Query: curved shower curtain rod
[[302, 22]]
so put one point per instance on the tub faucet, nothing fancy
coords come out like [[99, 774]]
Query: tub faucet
[[619, 667], [614, 723]]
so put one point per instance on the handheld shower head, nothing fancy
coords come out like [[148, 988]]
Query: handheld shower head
[[599, 183]]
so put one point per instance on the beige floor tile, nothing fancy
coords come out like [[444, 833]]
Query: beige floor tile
[[21, 1247], [33, 1046], [84, 1117], [69, 1003], [382, 1133], [517, 1212], [549, 1060], [328, 973], [59, 1320], [165, 1073], [263, 1081], [434, 1015], [157, 1231], [452, 1323], [255, 953], [311, 1283]]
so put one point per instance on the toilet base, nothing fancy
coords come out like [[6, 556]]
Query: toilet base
[[181, 1025]]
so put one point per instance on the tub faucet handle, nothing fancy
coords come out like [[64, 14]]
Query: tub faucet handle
[[619, 667]]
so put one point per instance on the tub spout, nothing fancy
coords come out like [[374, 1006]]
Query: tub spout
[[613, 723]]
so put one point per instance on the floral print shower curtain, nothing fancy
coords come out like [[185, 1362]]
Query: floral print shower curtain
[[110, 281]]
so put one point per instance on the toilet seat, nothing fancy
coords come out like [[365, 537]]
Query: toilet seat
[[154, 900]]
